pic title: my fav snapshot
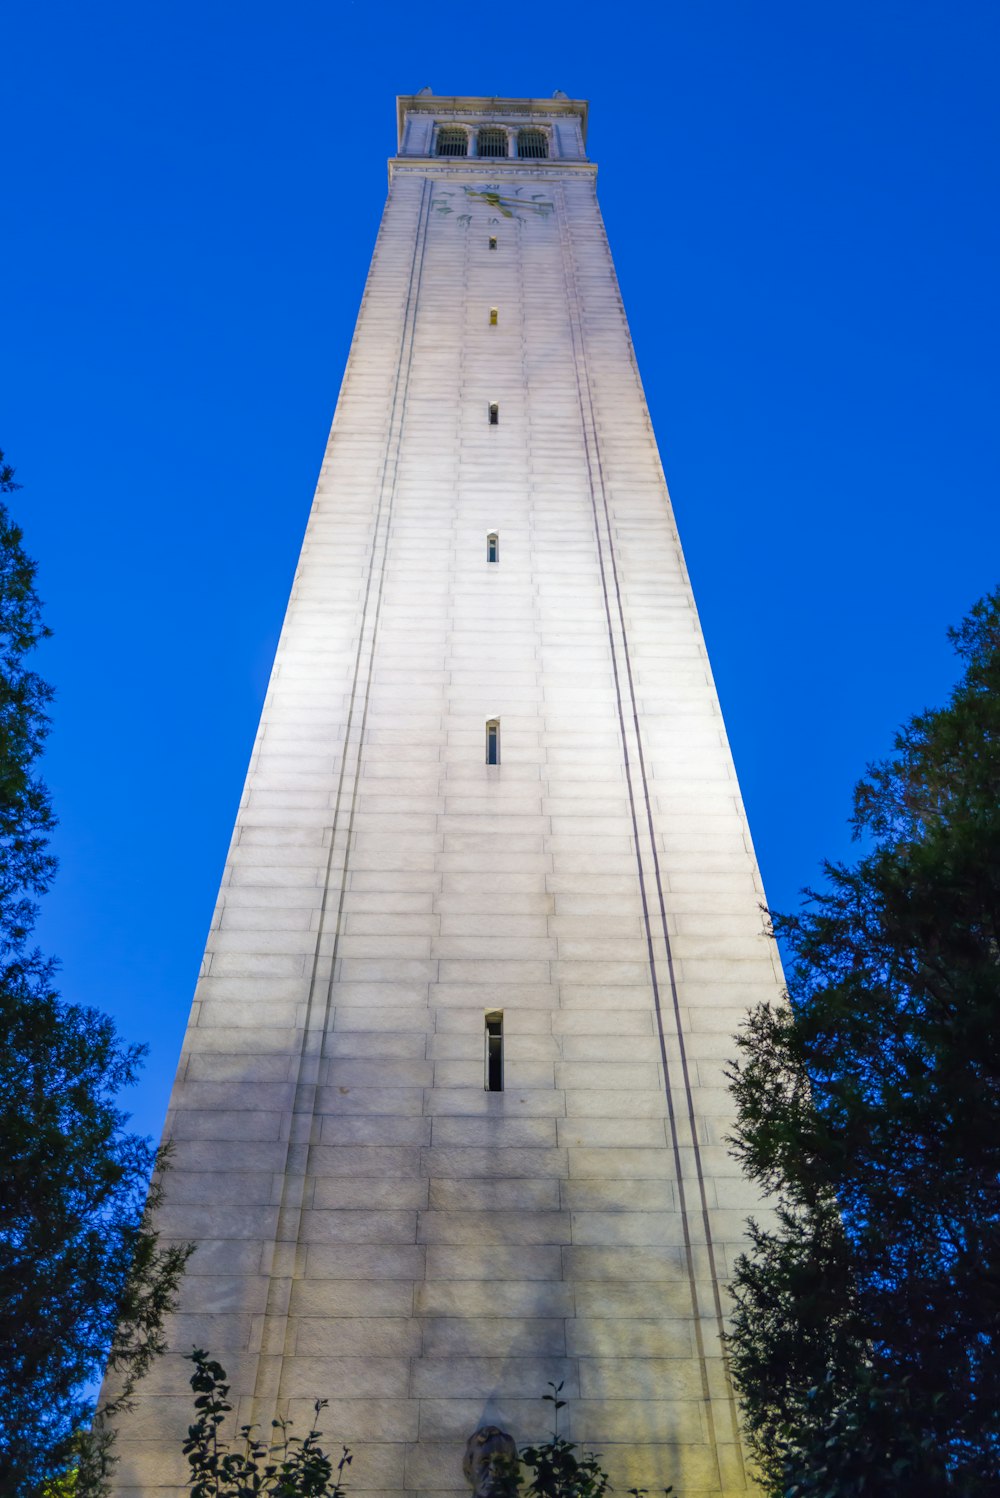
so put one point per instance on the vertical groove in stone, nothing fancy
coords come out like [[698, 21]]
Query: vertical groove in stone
[[646, 845], [634, 771], [318, 1012]]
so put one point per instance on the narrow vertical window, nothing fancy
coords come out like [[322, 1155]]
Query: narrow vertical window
[[494, 413], [493, 317], [494, 1051], [493, 741], [493, 546], [493, 241]]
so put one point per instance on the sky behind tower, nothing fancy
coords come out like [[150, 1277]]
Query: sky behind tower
[[802, 205]]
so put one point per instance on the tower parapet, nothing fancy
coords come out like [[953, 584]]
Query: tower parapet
[[491, 129]]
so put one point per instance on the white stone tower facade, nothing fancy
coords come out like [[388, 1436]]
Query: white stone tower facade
[[450, 1117]]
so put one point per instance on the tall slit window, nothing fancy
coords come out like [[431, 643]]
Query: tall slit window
[[493, 741], [532, 143], [493, 546], [494, 413], [492, 141], [452, 141], [493, 1080]]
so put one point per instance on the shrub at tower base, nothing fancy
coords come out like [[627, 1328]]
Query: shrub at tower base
[[81, 1273], [866, 1343], [282, 1465]]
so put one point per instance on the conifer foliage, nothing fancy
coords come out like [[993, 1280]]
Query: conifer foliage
[[82, 1274], [866, 1343]]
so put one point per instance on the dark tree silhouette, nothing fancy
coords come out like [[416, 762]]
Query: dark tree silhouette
[[866, 1344], [82, 1275]]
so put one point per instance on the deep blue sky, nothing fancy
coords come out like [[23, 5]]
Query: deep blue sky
[[803, 208]]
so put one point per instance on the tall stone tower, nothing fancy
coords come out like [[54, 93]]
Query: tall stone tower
[[450, 1119]]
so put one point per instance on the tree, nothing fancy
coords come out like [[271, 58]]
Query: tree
[[866, 1336], [295, 1467], [553, 1467], [286, 1466], [82, 1275]]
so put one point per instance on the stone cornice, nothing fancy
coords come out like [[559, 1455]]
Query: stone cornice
[[478, 168]]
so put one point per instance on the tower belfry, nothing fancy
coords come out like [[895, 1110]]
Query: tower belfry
[[450, 1117]]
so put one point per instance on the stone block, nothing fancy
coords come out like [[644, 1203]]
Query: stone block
[[581, 994], [628, 1228], [475, 1102], [217, 1124], [508, 1196], [495, 1132], [621, 1162], [625, 1264], [385, 1045], [221, 1188], [373, 1337], [344, 1192], [619, 1341], [490, 990], [352, 1419], [629, 1047], [234, 1223], [454, 1419], [661, 1456], [376, 1261], [646, 1133], [376, 1466], [365, 1299], [493, 1336], [652, 1300], [352, 1225], [357, 1098], [608, 1075], [500, 1298], [374, 1129], [491, 1227], [384, 1072], [607, 1022], [453, 1162], [224, 1332], [436, 1466], [680, 1421], [208, 1154], [484, 1263], [155, 1463], [605, 1103], [482, 1377], [675, 1376], [595, 1195]]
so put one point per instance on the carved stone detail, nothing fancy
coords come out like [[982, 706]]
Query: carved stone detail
[[482, 1446]]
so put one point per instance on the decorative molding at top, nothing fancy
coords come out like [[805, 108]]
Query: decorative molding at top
[[480, 167], [459, 116]]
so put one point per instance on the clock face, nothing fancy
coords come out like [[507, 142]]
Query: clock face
[[509, 204]]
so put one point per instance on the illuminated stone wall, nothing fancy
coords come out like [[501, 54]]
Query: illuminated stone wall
[[374, 1226]]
